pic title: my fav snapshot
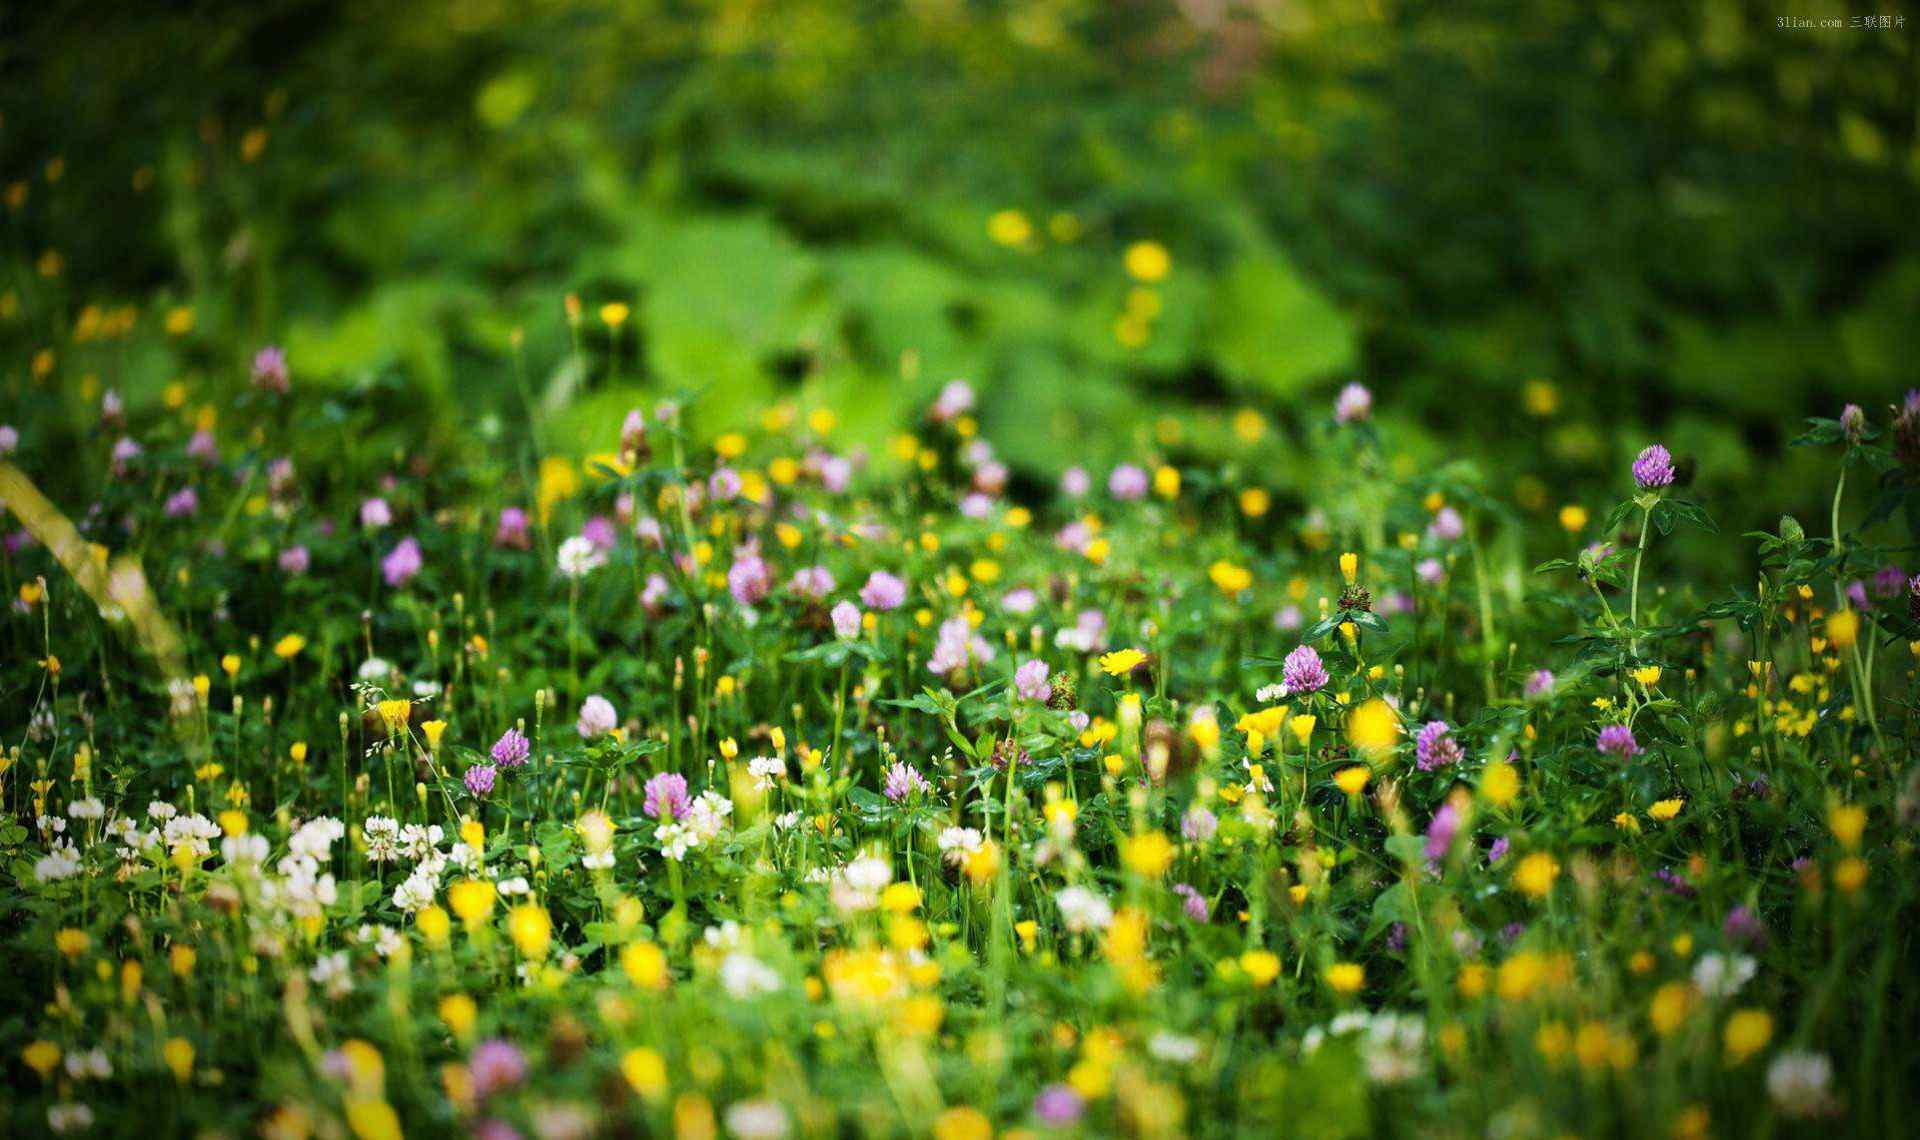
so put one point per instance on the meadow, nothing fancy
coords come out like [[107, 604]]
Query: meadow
[[719, 643]]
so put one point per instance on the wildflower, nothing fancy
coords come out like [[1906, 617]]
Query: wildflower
[[597, 717], [375, 513], [1853, 422], [479, 780], [883, 592], [1260, 966], [1302, 671], [904, 780], [511, 750], [1666, 809], [289, 646], [496, 1064], [1435, 747], [578, 557], [531, 928], [1798, 1081], [1198, 824], [1083, 910], [1843, 628], [1373, 728], [1030, 681], [1747, 1032], [1058, 1106], [471, 899], [1353, 405], [1653, 468], [269, 372], [1353, 780], [402, 563], [1721, 976], [1447, 526], [1346, 977], [846, 621], [1617, 740], [1536, 874], [1127, 482], [1150, 853], [1121, 662]]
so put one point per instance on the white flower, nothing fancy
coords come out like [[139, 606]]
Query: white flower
[[62, 862], [316, 837], [195, 833], [1173, 1048], [69, 1117], [244, 850], [746, 977], [416, 894], [1083, 910], [766, 771], [1798, 1082], [579, 557], [857, 886], [1719, 976], [956, 843], [161, 810], [92, 1063], [333, 973], [757, 1120], [382, 836], [515, 886], [88, 808], [375, 669]]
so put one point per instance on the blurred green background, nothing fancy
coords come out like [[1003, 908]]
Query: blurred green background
[[1693, 224]]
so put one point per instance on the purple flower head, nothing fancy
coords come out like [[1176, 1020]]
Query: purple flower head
[[883, 592], [203, 447], [1074, 483], [1744, 926], [1430, 571], [812, 582], [1058, 1106], [1020, 601], [295, 560], [512, 531], [1030, 680], [1198, 824], [597, 717], [1193, 902], [1441, 831], [402, 562], [904, 780], [1654, 468], [512, 749], [1447, 525], [9, 439], [724, 484], [1617, 740], [1857, 594], [1889, 582], [600, 531], [1541, 683], [633, 434], [1288, 618], [124, 453], [495, 1065], [1353, 404], [666, 797], [1128, 482], [1675, 883], [182, 503], [480, 779], [375, 513], [1498, 851], [956, 400], [749, 580], [1435, 747], [976, 505], [269, 372], [846, 620], [1853, 422], [1302, 671]]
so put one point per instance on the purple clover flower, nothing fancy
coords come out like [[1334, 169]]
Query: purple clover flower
[[1435, 747], [479, 780], [1030, 681], [402, 562], [1617, 740], [1654, 468], [904, 780], [883, 592], [1302, 671], [666, 797], [512, 749]]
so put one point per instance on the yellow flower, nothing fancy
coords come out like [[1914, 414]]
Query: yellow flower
[[1121, 661], [983, 863], [1500, 783], [1255, 502], [646, 1071], [41, 1057], [288, 646], [395, 714], [1346, 977], [1573, 518], [1666, 809], [178, 1055], [1648, 675], [962, 1123], [1149, 853], [1850, 874], [645, 965], [1373, 728], [433, 925], [71, 942], [458, 1011], [531, 928], [1229, 578], [1303, 727], [1848, 822], [1353, 780], [1166, 482], [1148, 261], [1009, 228], [433, 730], [233, 822], [1261, 966], [471, 899], [1669, 1008], [372, 1119], [1843, 629], [1350, 567], [230, 664], [298, 752], [1536, 874], [1747, 1032]]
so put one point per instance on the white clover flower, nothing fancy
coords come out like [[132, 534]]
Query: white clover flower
[[1798, 1082], [1720, 976], [333, 973], [1083, 910], [578, 557], [62, 862], [746, 977]]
